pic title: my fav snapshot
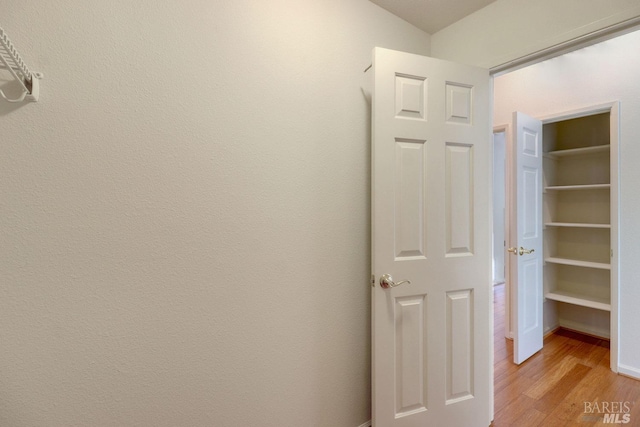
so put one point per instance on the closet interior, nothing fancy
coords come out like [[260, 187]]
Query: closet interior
[[577, 224]]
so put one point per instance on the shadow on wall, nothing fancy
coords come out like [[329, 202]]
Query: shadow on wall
[[12, 90]]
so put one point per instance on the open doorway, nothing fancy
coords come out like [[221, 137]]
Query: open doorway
[[501, 230], [577, 222], [574, 82], [499, 216]]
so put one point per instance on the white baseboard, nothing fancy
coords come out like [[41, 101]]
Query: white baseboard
[[367, 424], [629, 371]]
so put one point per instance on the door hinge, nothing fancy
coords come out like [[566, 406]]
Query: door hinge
[[611, 253]]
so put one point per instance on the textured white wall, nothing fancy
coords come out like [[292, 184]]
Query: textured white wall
[[595, 75], [184, 215], [509, 29]]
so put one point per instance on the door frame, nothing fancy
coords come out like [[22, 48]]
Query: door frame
[[572, 45], [613, 108]]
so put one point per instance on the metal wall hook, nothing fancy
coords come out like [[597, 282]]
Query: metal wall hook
[[10, 60]]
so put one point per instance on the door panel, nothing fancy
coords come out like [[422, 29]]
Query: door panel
[[411, 341], [459, 199], [431, 179], [459, 345], [410, 223]]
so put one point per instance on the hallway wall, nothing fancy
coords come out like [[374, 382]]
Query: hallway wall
[[184, 215]]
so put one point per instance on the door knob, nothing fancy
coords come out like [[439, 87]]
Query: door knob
[[522, 251], [526, 251], [386, 281]]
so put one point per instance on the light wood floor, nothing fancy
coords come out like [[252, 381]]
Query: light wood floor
[[551, 388]]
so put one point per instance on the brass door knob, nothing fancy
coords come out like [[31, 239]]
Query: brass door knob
[[520, 251], [526, 251]]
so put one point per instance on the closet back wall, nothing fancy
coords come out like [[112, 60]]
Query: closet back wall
[[184, 215]]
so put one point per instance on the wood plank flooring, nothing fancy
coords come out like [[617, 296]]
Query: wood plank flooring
[[551, 388]]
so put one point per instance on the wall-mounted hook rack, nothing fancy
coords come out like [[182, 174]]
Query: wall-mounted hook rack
[[10, 60]]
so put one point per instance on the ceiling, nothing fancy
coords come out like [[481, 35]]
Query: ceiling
[[432, 15]]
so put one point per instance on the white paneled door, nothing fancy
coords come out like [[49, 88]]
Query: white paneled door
[[431, 213], [525, 252]]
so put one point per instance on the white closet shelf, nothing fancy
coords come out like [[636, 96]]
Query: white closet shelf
[[577, 151], [582, 300], [578, 263], [576, 225], [579, 187]]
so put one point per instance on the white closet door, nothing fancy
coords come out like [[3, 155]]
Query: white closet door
[[526, 247]]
